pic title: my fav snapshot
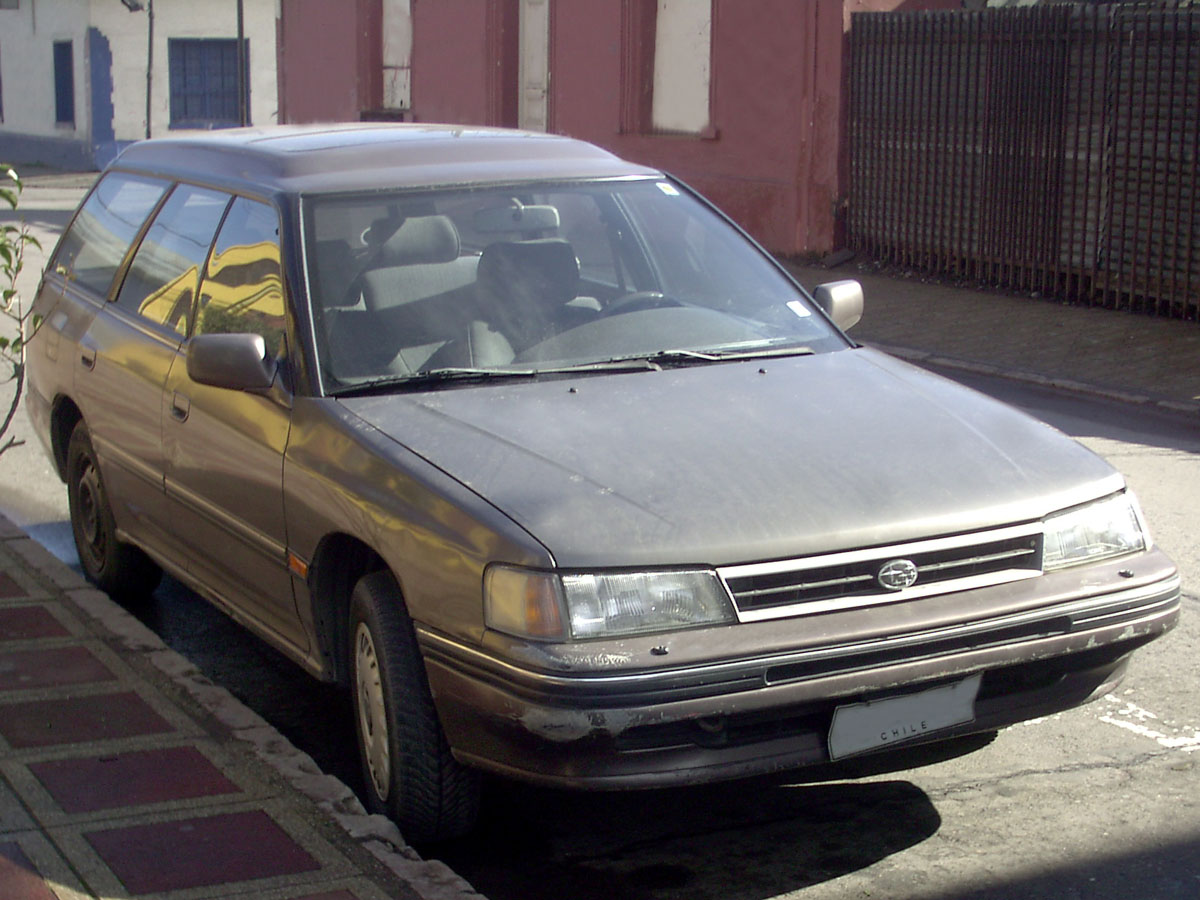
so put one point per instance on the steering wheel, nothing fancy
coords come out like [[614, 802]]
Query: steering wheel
[[640, 300]]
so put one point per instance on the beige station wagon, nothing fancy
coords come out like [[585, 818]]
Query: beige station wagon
[[556, 469]]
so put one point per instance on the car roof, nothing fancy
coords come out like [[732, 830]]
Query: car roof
[[354, 156]]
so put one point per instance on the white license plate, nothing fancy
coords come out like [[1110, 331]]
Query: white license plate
[[879, 723]]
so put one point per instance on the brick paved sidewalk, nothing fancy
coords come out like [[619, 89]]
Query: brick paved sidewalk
[[125, 773]]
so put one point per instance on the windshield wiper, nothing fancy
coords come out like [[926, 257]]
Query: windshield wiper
[[468, 375], [431, 377], [684, 357], [761, 352]]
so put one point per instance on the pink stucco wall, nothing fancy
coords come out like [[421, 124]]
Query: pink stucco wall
[[774, 158], [330, 59]]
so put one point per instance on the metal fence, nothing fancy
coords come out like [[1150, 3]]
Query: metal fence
[[1048, 148]]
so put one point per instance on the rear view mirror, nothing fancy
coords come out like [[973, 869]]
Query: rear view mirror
[[516, 217], [234, 361], [842, 302]]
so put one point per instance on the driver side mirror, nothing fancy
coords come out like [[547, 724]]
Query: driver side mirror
[[237, 362]]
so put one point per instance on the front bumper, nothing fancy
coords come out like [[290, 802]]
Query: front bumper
[[618, 724]]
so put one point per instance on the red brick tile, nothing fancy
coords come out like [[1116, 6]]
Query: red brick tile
[[9, 588], [172, 856], [19, 880], [131, 779], [52, 667], [26, 623], [44, 723]]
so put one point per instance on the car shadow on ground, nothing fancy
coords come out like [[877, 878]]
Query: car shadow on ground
[[740, 840]]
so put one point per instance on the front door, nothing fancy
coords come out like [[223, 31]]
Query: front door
[[224, 449]]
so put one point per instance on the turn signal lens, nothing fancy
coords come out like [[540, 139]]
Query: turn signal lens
[[547, 606], [523, 602]]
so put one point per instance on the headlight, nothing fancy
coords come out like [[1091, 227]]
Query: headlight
[[1101, 530], [546, 606]]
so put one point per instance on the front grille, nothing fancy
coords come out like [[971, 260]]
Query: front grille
[[841, 580]]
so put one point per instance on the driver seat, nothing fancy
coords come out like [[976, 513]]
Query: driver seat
[[524, 288]]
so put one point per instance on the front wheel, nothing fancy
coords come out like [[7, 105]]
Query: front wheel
[[409, 772], [114, 566]]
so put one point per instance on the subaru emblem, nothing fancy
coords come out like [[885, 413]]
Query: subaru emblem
[[897, 574]]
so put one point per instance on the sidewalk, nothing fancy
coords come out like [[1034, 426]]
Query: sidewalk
[[125, 773], [1118, 355]]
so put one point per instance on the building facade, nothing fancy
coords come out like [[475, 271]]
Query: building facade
[[743, 100], [80, 79]]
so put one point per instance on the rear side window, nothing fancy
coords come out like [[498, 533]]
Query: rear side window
[[97, 241], [161, 283], [243, 287]]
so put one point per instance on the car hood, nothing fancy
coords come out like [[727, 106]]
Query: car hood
[[742, 461]]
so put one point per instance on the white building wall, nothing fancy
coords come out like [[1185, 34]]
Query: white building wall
[[29, 132], [126, 33], [27, 37]]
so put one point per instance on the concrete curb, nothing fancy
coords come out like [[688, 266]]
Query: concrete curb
[[379, 836]]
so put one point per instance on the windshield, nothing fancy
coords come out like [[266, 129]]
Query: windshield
[[536, 279]]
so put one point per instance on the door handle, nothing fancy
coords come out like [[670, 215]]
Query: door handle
[[180, 407], [87, 357]]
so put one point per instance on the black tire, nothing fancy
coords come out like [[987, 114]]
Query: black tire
[[409, 773], [114, 566]]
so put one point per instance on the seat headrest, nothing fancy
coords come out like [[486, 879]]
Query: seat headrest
[[421, 239], [547, 264]]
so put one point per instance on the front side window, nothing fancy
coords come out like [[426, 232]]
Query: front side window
[[242, 290], [541, 279], [93, 248], [161, 283]]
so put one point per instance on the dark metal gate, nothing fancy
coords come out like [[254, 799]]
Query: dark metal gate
[[1048, 148]]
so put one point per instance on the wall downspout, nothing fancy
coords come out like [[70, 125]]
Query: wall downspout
[[149, 60], [243, 118]]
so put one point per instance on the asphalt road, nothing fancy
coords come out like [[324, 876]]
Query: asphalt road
[[1099, 802]]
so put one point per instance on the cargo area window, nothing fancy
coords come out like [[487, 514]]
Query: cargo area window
[[94, 246]]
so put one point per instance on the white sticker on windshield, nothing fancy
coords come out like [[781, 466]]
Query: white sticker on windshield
[[668, 189], [799, 309]]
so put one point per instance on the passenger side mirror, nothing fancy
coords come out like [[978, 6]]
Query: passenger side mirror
[[842, 302], [234, 361]]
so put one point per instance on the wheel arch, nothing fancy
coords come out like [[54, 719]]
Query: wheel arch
[[339, 562], [64, 416]]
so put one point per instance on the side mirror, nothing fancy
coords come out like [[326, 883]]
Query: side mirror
[[842, 302], [234, 361]]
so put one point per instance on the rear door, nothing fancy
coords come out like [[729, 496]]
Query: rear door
[[136, 343]]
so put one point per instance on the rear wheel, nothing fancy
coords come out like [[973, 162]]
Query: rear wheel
[[115, 567], [409, 772]]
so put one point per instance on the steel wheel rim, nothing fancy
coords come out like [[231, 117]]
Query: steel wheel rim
[[89, 499], [372, 712]]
